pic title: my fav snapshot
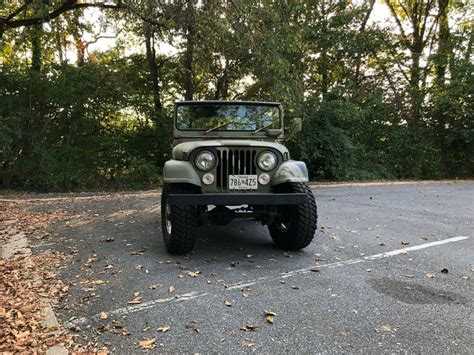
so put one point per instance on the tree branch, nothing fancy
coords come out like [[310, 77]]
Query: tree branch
[[399, 23], [423, 26], [404, 9], [20, 9], [68, 5], [435, 22]]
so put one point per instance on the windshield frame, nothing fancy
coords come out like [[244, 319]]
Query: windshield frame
[[224, 103]]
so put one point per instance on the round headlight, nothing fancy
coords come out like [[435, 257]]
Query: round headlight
[[205, 161], [267, 161]]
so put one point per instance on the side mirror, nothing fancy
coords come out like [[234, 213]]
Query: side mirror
[[298, 122]]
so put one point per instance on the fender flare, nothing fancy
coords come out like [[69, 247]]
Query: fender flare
[[290, 171], [178, 171]]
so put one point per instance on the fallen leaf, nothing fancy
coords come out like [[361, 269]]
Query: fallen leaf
[[103, 315], [163, 328], [191, 273], [171, 289], [193, 325], [22, 335], [249, 327], [227, 303], [316, 269], [431, 275], [99, 282], [269, 316], [147, 343], [247, 345], [385, 328], [404, 242], [136, 300], [248, 256]]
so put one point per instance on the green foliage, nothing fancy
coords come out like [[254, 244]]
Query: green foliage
[[79, 132], [378, 102]]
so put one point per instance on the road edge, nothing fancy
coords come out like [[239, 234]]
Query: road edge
[[91, 195], [17, 244]]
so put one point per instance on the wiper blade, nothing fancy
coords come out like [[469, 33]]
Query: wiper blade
[[220, 126], [264, 127]]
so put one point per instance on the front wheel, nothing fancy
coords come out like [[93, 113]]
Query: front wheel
[[178, 223], [295, 225]]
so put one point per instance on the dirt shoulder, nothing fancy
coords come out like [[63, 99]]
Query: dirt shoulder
[[29, 286]]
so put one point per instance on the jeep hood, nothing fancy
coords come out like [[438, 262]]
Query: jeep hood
[[182, 150]]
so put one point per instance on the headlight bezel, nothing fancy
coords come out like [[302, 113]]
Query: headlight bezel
[[199, 154], [275, 163]]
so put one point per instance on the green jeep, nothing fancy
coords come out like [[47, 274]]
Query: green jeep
[[227, 163]]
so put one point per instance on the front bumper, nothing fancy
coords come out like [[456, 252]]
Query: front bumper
[[235, 199]]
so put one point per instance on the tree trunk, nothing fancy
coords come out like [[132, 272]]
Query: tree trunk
[[359, 56], [324, 73], [152, 67], [416, 50], [415, 92], [188, 63], [59, 47], [222, 87], [80, 51], [36, 49], [444, 45]]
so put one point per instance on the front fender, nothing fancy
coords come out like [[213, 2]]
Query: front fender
[[178, 171], [290, 171]]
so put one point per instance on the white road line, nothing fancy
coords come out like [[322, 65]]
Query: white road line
[[388, 254], [417, 247], [138, 307], [151, 304], [244, 284], [247, 283]]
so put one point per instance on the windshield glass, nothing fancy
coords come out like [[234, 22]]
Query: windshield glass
[[227, 117]]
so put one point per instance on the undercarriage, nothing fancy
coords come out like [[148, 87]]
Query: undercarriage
[[223, 215]]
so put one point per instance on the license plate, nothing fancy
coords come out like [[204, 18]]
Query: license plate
[[243, 182]]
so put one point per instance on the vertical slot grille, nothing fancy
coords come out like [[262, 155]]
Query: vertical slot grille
[[234, 161]]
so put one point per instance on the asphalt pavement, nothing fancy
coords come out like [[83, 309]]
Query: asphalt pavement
[[390, 270]]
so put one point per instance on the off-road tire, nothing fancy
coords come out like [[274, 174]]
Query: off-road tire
[[302, 219], [183, 219]]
